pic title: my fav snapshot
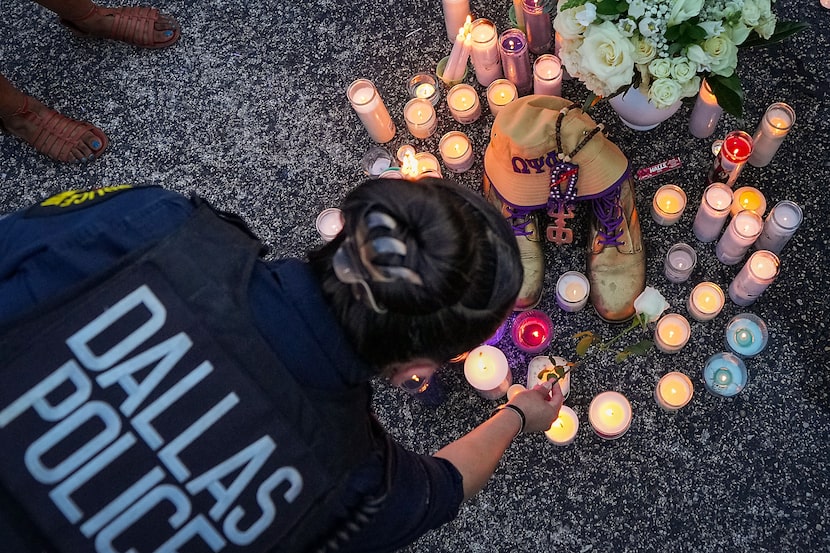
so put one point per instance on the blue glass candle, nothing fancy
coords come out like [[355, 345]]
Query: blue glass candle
[[746, 334], [724, 374]]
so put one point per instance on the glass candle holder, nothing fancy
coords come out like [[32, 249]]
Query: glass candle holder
[[706, 113], [563, 430], [713, 211], [424, 85], [679, 263], [484, 51], [572, 289], [538, 26], [746, 335], [539, 364], [760, 270], [773, 128], [672, 333], [486, 369], [448, 82], [724, 374], [427, 390], [668, 205], [749, 198], [731, 156], [674, 391], [741, 233], [532, 331], [427, 165], [706, 301], [609, 414], [547, 75], [370, 109], [780, 225], [456, 151], [329, 223], [515, 60], [376, 161], [464, 104], [420, 118], [500, 93]]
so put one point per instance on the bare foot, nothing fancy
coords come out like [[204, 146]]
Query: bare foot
[[100, 23]]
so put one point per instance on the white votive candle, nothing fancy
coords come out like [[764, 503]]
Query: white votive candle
[[706, 113], [741, 233], [672, 333], [668, 205], [367, 103], [487, 371], [572, 290], [547, 75], [780, 225], [563, 430], [673, 391], [484, 51], [420, 118], [500, 93], [610, 415], [679, 263], [329, 223], [464, 104], [456, 151], [749, 198], [755, 276], [776, 123], [706, 301], [713, 211]]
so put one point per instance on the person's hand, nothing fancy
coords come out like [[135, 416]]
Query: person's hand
[[540, 406]]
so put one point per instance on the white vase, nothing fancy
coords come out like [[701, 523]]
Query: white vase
[[637, 112]]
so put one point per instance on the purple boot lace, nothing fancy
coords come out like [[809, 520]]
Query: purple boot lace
[[609, 213], [519, 219]]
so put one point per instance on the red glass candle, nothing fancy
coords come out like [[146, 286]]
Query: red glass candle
[[734, 151], [532, 331]]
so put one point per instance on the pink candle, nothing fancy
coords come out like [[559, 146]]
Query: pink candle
[[532, 331], [485, 51], [369, 107], [547, 75], [773, 128], [755, 276], [780, 226], [706, 113], [741, 233], [713, 211], [455, 12]]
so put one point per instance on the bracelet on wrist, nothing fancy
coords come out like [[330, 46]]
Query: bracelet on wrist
[[514, 409]]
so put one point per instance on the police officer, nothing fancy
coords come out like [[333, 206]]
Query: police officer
[[165, 389]]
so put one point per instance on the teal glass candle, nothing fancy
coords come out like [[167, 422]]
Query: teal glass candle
[[724, 374], [746, 334]]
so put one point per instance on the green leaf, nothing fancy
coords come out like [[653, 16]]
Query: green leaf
[[621, 356], [584, 345], [573, 4], [783, 29], [728, 92], [641, 347], [611, 7]]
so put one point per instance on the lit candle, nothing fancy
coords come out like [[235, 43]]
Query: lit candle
[[779, 226], [706, 113], [420, 118], [456, 68], [679, 263], [427, 165], [500, 93], [673, 391], [464, 104], [741, 233], [706, 301], [610, 415], [487, 371], [572, 290], [547, 75], [672, 333], [329, 223], [532, 331], [724, 374], [755, 276], [367, 103], [713, 211], [409, 165], [668, 205], [747, 334], [515, 60], [730, 159], [423, 85], [537, 26], [456, 151], [455, 12], [515, 390], [563, 430], [426, 389], [747, 197], [777, 122], [540, 366], [485, 51]]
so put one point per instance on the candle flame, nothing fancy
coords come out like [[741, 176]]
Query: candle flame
[[409, 165]]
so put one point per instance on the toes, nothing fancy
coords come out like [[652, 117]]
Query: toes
[[166, 23]]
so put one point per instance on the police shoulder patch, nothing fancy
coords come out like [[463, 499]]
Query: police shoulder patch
[[73, 200]]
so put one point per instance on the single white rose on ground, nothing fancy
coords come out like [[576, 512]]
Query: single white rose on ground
[[650, 304]]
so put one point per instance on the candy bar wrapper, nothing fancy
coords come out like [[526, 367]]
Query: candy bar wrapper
[[658, 169]]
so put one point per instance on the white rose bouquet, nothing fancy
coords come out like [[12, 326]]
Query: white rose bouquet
[[664, 47]]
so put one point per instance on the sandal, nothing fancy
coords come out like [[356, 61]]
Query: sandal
[[57, 135], [131, 24]]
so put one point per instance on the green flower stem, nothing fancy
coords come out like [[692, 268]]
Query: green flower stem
[[635, 322]]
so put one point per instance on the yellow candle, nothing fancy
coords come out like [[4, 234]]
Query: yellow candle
[[500, 93], [610, 415], [668, 205], [563, 430], [706, 301], [748, 198], [673, 391]]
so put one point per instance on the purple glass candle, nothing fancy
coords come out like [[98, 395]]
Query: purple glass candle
[[538, 26], [515, 60]]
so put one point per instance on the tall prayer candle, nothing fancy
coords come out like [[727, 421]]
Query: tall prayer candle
[[713, 211], [464, 104], [672, 333], [455, 12], [610, 415], [547, 75], [368, 105], [515, 59], [668, 205], [706, 301], [780, 226], [500, 93], [776, 123], [485, 51], [706, 113], [741, 233], [731, 157], [487, 371], [420, 118], [673, 391], [537, 26], [759, 271], [563, 430], [456, 151], [747, 197]]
